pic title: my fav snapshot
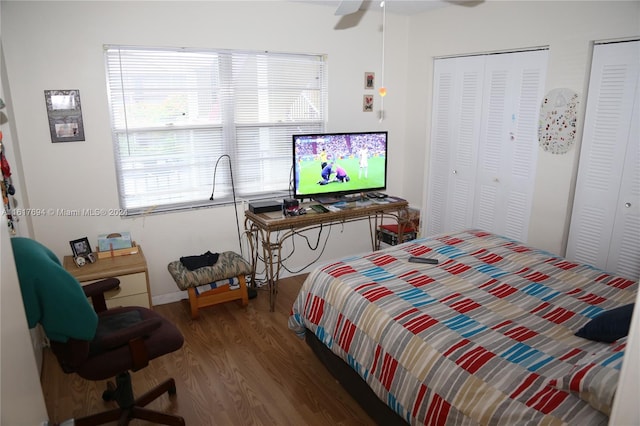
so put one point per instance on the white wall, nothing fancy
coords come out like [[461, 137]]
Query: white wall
[[21, 398], [58, 45], [625, 410], [568, 28]]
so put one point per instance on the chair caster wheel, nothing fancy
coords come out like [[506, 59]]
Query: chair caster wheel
[[110, 393]]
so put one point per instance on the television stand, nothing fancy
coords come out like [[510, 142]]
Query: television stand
[[336, 198], [267, 232], [328, 199]]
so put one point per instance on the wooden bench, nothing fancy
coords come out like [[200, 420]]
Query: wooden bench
[[210, 285]]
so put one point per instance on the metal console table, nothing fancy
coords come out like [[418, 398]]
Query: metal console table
[[271, 230]]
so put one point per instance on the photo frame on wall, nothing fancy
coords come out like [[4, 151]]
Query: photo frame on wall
[[369, 80], [367, 103], [64, 112]]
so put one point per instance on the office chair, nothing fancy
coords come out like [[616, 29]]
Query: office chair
[[95, 342]]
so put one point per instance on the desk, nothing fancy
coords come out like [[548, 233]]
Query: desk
[[260, 227], [131, 270]]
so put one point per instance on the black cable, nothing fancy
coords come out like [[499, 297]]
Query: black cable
[[324, 246], [291, 178], [233, 191], [307, 239]]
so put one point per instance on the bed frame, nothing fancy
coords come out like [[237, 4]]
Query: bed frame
[[353, 384]]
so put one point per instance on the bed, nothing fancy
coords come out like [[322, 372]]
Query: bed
[[487, 336]]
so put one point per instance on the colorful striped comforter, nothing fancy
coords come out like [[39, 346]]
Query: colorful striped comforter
[[484, 337]]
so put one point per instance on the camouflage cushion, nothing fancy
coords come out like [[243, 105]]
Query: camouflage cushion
[[229, 265]]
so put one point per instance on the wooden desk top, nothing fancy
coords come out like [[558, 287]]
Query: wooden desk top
[[275, 221], [107, 267]]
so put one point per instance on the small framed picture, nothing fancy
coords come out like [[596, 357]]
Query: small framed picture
[[81, 247], [369, 80], [367, 103]]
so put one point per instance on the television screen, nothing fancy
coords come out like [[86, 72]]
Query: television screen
[[335, 164]]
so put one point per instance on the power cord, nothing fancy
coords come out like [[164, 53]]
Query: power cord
[[233, 191], [293, 249]]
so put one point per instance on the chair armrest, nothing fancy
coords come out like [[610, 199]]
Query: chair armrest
[[100, 287], [96, 292], [123, 336]]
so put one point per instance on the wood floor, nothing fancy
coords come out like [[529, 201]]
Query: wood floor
[[238, 366]]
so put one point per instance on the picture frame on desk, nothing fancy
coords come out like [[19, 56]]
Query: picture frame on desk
[[81, 249]]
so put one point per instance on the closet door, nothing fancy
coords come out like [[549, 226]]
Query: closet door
[[455, 128], [484, 142], [624, 255], [508, 143], [605, 224]]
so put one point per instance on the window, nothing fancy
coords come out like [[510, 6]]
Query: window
[[176, 112]]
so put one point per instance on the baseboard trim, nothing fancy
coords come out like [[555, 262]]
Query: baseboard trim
[[163, 299]]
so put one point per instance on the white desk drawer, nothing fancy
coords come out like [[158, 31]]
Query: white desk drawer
[[130, 285], [133, 300]]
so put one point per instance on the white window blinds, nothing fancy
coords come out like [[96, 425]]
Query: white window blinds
[[175, 112]]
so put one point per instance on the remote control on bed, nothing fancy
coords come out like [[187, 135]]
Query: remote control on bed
[[415, 259]]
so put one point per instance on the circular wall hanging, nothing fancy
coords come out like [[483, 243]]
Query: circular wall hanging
[[557, 128]]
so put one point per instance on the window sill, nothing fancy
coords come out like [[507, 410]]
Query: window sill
[[205, 204]]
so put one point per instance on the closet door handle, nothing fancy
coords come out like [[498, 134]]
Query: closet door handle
[[455, 172], [627, 204]]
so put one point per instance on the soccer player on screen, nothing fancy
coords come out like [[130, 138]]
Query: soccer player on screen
[[323, 158], [326, 173], [341, 175], [363, 154]]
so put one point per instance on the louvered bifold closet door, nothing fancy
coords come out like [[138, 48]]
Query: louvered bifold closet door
[[484, 142], [508, 143], [605, 223], [455, 128]]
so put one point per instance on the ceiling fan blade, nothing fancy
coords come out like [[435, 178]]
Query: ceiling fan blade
[[347, 7]]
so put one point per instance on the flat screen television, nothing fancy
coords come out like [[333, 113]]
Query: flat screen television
[[328, 166]]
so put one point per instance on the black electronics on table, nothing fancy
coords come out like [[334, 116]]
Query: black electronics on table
[[268, 206]]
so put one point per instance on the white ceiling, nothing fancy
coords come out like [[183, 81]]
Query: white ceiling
[[400, 7]]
